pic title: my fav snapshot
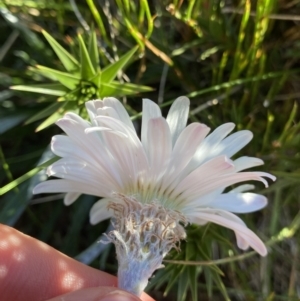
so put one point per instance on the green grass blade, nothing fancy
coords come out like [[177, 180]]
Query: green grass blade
[[176, 272], [233, 83], [5, 166], [26, 176], [193, 275], [238, 57], [110, 72], [145, 7], [14, 205], [98, 20], [217, 279], [183, 283], [69, 62], [289, 123]]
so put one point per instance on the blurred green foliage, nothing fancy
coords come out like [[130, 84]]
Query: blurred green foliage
[[237, 61]]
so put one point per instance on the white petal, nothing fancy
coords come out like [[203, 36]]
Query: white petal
[[119, 108], [74, 170], [99, 211], [242, 188], [245, 237], [77, 119], [109, 106], [150, 110], [74, 129], [235, 142], [102, 129], [71, 197], [239, 202], [209, 170], [107, 111], [126, 152], [183, 151], [206, 150], [92, 107], [194, 190], [63, 146], [124, 157], [247, 162], [178, 116], [118, 126], [55, 186], [133, 141], [159, 145], [94, 144], [187, 143], [88, 153]]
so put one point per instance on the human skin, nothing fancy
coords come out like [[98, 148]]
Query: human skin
[[32, 270]]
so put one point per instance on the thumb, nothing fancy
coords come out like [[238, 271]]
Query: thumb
[[103, 293]]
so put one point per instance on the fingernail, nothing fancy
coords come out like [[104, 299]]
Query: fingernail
[[120, 296]]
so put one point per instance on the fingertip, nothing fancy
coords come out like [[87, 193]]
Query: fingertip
[[97, 294], [119, 295]]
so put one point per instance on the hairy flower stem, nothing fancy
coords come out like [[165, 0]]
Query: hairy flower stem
[[143, 235]]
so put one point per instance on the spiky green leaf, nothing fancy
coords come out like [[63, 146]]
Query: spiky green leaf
[[64, 107], [66, 79], [45, 113], [87, 69], [69, 62], [119, 89], [73, 95], [110, 72], [49, 89], [97, 80], [93, 50]]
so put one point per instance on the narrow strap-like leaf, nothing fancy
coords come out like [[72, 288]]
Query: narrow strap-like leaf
[[26, 176]]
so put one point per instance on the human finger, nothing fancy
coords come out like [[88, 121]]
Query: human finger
[[97, 294], [32, 270]]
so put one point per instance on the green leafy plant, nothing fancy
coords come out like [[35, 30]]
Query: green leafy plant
[[82, 80]]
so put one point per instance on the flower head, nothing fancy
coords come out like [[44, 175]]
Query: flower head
[[174, 167]]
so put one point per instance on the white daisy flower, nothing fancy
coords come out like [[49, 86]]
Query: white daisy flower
[[176, 174]]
